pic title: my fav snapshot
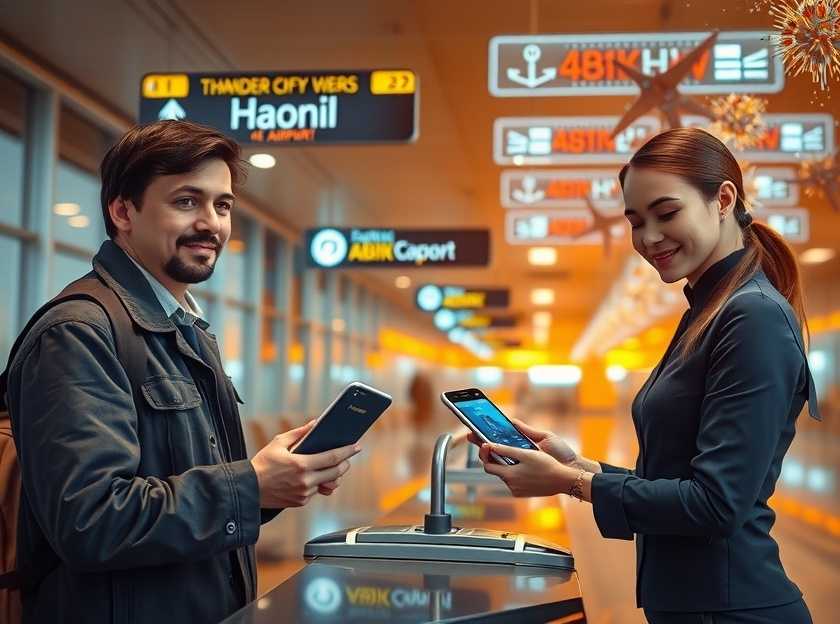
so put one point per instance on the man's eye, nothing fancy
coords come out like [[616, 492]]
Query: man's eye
[[224, 206], [186, 202]]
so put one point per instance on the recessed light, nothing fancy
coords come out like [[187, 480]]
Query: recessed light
[[542, 256], [79, 221], [262, 161], [542, 296], [66, 209], [403, 281], [542, 319], [338, 325], [816, 255]]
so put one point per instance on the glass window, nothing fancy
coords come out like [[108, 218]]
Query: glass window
[[236, 261], [77, 216], [66, 268], [232, 346], [12, 122], [10, 251], [270, 267]]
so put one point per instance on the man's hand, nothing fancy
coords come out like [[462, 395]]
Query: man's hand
[[289, 480]]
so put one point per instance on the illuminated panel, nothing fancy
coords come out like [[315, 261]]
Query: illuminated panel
[[290, 108], [552, 227], [567, 140], [560, 188], [792, 223], [574, 65], [773, 186], [788, 137]]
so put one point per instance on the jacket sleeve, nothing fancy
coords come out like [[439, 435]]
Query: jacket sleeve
[[610, 469], [754, 371], [76, 431]]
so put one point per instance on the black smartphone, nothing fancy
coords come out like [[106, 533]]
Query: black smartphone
[[345, 420], [486, 420]]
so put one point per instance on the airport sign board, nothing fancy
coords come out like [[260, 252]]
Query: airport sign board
[[568, 140], [792, 223], [289, 107], [585, 64], [556, 227], [433, 297], [573, 188], [773, 186], [445, 320], [328, 248], [560, 188], [788, 137]]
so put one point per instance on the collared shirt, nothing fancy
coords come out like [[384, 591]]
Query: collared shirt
[[171, 306]]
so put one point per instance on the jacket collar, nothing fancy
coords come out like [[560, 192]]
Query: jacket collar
[[705, 286], [118, 271]]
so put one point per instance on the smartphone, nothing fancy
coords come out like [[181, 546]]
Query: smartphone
[[346, 419], [486, 421]]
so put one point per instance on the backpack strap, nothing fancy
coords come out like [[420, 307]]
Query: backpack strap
[[131, 348]]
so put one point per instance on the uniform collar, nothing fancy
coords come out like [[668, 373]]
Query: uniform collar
[[705, 286]]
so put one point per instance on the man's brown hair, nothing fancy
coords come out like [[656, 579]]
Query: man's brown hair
[[165, 147]]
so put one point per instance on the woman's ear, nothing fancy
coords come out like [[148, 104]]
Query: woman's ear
[[727, 198]]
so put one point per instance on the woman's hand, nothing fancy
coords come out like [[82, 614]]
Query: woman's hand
[[536, 474], [547, 441]]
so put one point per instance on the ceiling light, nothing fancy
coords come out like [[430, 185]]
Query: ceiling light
[[403, 281], [236, 245], [816, 255], [542, 296], [542, 319], [262, 161], [554, 375], [66, 210], [338, 325], [79, 221], [542, 256]]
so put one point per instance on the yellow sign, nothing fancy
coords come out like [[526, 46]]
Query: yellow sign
[[392, 82], [166, 86]]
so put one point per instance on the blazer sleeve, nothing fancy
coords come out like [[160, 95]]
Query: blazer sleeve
[[79, 452], [755, 369]]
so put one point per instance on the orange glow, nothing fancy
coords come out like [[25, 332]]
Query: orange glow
[[394, 498], [296, 353]]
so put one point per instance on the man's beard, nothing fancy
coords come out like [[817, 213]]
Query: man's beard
[[185, 273]]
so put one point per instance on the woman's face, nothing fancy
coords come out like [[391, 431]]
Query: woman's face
[[674, 228]]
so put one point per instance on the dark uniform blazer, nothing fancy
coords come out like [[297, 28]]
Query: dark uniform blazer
[[712, 429], [131, 511]]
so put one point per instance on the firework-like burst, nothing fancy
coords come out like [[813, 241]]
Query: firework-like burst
[[809, 37], [738, 119], [751, 201], [821, 178]]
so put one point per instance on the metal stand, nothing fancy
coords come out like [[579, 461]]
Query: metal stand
[[437, 540]]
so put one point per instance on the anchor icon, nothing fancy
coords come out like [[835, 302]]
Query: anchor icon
[[532, 54], [528, 194]]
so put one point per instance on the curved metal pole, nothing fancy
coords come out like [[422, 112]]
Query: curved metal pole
[[439, 473]]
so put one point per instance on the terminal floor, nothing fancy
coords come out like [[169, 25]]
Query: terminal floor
[[394, 467]]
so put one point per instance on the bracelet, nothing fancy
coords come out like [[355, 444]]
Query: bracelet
[[576, 489]]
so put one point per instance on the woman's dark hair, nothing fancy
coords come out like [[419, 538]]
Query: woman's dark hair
[[705, 163], [165, 147]]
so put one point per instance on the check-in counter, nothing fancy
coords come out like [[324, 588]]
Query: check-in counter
[[332, 590]]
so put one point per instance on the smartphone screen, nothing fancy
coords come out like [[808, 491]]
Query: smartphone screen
[[488, 419]]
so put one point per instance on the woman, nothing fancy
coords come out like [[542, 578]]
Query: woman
[[715, 417]]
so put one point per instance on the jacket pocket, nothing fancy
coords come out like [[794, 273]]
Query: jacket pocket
[[171, 393]]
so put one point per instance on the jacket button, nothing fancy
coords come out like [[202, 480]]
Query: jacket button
[[212, 440], [230, 527]]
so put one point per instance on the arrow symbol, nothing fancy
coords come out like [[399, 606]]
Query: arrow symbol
[[532, 54], [528, 194], [172, 110]]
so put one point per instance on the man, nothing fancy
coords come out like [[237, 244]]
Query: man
[[139, 504]]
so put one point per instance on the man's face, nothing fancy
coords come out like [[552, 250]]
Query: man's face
[[184, 222]]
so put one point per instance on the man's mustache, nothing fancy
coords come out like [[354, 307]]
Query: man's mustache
[[200, 240]]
